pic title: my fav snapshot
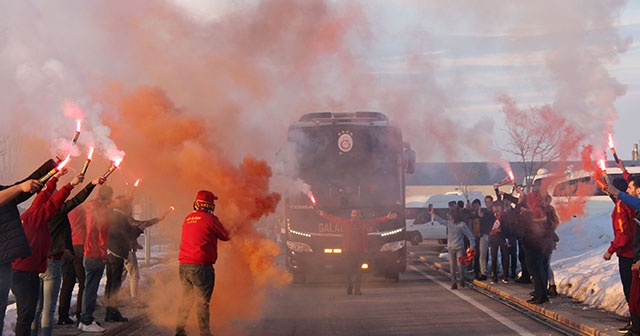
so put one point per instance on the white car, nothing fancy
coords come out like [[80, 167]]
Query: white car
[[420, 225]]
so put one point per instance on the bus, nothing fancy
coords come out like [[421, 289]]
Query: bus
[[575, 193], [347, 160]]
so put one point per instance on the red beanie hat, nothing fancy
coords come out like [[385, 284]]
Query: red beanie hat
[[204, 199]]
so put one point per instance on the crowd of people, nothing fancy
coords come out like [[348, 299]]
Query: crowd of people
[[506, 232], [57, 242], [511, 230]]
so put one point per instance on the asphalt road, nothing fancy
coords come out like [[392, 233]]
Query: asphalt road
[[421, 303]]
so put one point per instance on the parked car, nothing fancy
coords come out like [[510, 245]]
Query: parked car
[[420, 225]]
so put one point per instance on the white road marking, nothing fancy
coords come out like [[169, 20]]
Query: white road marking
[[505, 321]]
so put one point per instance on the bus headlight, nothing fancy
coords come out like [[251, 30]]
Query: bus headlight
[[392, 246], [298, 247]]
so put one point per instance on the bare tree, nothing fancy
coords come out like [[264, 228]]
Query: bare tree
[[538, 136], [464, 175]]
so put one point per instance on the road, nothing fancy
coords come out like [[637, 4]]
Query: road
[[421, 303]]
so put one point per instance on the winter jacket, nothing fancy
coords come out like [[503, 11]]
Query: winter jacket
[[486, 220], [123, 229], [354, 232], [78, 220], [35, 223], [456, 233], [61, 227], [13, 242], [624, 229], [95, 244], [200, 234], [633, 202]]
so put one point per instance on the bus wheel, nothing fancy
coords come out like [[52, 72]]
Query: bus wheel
[[299, 278], [416, 238], [392, 277]]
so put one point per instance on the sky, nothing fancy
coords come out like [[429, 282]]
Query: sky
[[199, 94]]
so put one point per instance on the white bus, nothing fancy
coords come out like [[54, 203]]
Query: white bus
[[576, 194]]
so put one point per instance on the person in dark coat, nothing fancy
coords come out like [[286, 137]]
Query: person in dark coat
[[538, 243], [122, 229], [13, 242]]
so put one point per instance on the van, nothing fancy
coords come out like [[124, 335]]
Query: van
[[420, 225], [576, 194]]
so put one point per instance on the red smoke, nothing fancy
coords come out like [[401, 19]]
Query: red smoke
[[178, 154]]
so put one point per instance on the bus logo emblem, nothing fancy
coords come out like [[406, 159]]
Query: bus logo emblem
[[345, 142]]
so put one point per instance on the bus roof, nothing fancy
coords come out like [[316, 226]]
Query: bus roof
[[360, 117]]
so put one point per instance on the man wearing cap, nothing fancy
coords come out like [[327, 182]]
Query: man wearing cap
[[201, 231]]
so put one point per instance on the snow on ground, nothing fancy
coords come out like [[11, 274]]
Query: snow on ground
[[578, 266]]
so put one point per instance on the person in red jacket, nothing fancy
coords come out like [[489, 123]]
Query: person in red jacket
[[95, 255], [623, 232], [355, 242], [26, 280], [201, 231]]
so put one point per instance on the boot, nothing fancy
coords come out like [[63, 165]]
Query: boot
[[118, 316], [552, 292], [635, 324], [114, 315], [109, 314]]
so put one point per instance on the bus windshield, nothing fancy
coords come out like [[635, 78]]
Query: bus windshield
[[368, 174]]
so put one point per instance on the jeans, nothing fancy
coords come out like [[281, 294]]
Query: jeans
[[484, 253], [49, 288], [496, 245], [538, 265], [72, 268], [5, 285], [94, 267], [455, 264], [25, 287], [197, 286]]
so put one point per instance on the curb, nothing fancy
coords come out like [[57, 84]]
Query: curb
[[561, 319]]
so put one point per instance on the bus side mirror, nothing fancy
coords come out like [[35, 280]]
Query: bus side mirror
[[409, 157]]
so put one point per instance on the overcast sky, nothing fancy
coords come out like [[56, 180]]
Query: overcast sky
[[579, 56], [252, 67]]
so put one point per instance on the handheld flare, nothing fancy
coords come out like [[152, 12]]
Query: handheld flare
[[601, 184], [512, 177], [87, 162], [311, 198], [603, 168], [613, 150], [53, 171], [76, 134], [113, 167]]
